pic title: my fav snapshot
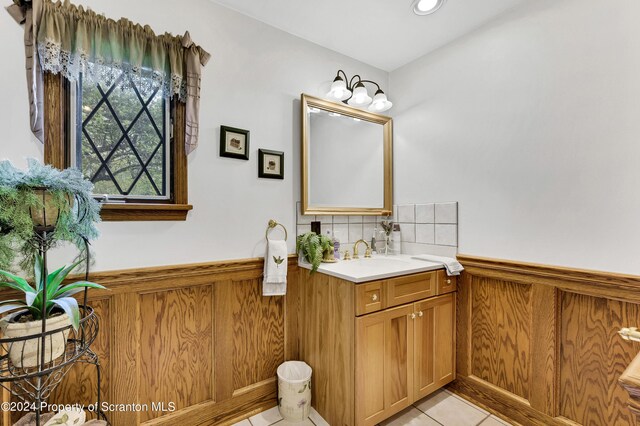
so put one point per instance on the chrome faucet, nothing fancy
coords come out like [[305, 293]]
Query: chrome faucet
[[367, 251]]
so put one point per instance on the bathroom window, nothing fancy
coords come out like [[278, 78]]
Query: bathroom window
[[127, 138], [120, 139]]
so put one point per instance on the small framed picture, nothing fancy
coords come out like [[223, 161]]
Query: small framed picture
[[270, 164], [234, 143]]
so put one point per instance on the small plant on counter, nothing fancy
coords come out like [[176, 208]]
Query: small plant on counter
[[43, 195], [60, 310], [313, 246]]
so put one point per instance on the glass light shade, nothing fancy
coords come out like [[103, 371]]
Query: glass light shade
[[380, 102], [360, 96], [338, 91], [426, 7]]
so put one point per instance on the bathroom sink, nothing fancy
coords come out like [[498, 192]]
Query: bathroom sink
[[375, 268]]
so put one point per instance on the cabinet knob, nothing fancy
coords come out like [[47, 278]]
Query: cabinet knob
[[413, 316], [374, 297], [420, 314], [449, 281]]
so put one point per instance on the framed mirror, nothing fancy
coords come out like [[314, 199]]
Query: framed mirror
[[346, 160]]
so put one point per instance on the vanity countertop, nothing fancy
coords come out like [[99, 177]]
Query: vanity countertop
[[375, 268]]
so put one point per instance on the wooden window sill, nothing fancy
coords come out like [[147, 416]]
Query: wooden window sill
[[130, 212]]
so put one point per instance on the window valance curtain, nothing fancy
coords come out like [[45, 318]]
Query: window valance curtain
[[72, 41]]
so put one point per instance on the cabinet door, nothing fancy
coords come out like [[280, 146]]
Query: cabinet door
[[434, 344], [384, 364]]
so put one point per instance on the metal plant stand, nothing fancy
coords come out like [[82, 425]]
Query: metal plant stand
[[33, 385]]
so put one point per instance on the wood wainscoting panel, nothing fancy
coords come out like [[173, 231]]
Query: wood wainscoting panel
[[538, 344], [201, 336], [593, 356], [501, 334], [258, 334], [176, 347]]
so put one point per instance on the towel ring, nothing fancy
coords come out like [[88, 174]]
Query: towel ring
[[273, 224]]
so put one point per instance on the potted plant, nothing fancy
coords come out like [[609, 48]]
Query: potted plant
[[312, 247], [61, 310], [43, 196]]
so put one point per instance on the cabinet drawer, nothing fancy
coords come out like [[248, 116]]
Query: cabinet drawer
[[410, 288], [446, 284], [368, 298]]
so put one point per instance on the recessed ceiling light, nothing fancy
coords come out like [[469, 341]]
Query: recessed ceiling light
[[426, 7]]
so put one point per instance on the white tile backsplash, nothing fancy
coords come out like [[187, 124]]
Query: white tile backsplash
[[408, 232], [355, 232], [446, 235], [425, 213], [420, 248], [446, 212], [355, 219], [302, 229], [426, 228], [425, 233], [340, 219], [367, 231], [341, 232], [407, 213], [326, 228]]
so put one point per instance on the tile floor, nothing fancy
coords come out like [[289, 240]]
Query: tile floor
[[439, 409]]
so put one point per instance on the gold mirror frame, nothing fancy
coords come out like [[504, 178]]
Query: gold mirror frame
[[308, 101]]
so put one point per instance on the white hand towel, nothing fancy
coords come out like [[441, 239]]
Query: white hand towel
[[452, 266], [275, 269]]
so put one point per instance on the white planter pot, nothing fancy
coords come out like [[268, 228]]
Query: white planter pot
[[26, 353]]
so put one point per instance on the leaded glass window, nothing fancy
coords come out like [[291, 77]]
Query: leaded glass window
[[122, 138]]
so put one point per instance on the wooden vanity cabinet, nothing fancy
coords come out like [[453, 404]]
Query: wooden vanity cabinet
[[371, 356], [384, 364], [402, 355]]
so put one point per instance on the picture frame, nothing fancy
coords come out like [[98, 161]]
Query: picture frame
[[270, 164], [234, 143]]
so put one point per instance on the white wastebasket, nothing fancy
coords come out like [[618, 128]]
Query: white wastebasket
[[294, 390]]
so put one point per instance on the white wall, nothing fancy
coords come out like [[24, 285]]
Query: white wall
[[253, 81], [532, 123]]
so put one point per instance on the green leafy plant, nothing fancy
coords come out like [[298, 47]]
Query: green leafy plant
[[312, 246], [57, 294], [76, 222]]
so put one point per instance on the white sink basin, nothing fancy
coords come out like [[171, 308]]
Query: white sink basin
[[375, 268]]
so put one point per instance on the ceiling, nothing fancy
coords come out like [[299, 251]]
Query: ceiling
[[383, 33]]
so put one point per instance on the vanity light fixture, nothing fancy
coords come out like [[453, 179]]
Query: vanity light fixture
[[355, 93], [426, 7]]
